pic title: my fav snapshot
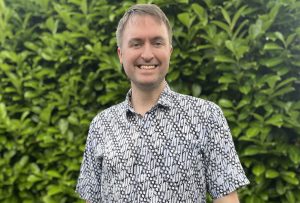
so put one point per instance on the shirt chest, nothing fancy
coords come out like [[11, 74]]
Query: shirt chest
[[162, 144]]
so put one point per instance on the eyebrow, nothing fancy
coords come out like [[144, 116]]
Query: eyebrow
[[158, 39], [133, 40]]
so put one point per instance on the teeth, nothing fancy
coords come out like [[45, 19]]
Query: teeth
[[147, 67]]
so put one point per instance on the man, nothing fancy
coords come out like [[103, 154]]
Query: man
[[157, 145]]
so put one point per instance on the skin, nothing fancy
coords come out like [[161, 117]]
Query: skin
[[230, 198], [145, 54]]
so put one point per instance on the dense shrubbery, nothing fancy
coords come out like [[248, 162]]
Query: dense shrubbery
[[58, 68]]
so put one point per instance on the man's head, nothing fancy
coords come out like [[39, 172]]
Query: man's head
[[142, 9], [144, 46]]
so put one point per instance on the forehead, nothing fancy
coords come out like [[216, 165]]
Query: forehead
[[147, 24], [138, 19]]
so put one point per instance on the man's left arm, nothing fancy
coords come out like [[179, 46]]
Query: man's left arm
[[230, 198]]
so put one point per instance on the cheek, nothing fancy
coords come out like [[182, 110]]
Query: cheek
[[165, 56], [129, 57], [166, 53]]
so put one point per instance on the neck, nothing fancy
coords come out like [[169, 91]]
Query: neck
[[144, 99]]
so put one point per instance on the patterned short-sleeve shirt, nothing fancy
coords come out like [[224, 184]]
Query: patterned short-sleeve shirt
[[178, 151]]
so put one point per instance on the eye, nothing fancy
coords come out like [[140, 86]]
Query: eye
[[158, 43], [135, 44]]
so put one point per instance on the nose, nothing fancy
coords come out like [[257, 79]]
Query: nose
[[147, 53]]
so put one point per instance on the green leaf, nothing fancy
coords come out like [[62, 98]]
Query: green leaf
[[275, 120], [63, 125], [290, 197], [243, 102], [33, 178], [222, 26], [72, 119], [31, 46], [285, 82], [271, 80], [196, 90], [256, 30], [226, 79], [51, 25], [16, 81], [271, 174], [45, 114], [252, 132], [3, 112], [291, 174], [294, 154], [226, 16], [237, 47], [225, 103], [54, 174], [201, 13], [184, 18], [173, 75], [283, 91], [272, 46], [83, 6], [240, 28], [23, 161], [245, 89], [253, 150], [237, 15], [290, 39], [271, 62], [280, 37], [258, 169], [53, 189], [34, 168], [236, 132], [269, 18], [290, 179]]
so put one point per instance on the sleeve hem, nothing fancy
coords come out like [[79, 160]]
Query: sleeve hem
[[231, 189]]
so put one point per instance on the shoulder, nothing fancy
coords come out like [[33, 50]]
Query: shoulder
[[194, 103], [109, 114]]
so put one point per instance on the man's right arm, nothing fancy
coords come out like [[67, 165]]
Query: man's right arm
[[230, 198]]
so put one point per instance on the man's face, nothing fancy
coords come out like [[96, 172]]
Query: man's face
[[145, 51]]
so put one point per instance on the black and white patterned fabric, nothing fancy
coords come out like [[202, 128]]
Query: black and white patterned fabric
[[176, 152]]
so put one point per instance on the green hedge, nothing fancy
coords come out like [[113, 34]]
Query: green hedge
[[59, 67]]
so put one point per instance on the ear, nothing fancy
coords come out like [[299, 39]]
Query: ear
[[120, 55], [171, 49]]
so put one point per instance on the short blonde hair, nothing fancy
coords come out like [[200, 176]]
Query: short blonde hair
[[142, 9]]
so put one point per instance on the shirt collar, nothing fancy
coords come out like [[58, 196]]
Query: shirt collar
[[165, 99]]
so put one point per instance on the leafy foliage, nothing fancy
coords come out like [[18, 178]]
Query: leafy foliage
[[59, 67]]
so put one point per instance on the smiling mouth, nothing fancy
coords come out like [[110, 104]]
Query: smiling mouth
[[147, 67]]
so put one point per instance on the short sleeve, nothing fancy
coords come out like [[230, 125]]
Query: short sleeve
[[224, 172], [89, 182]]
